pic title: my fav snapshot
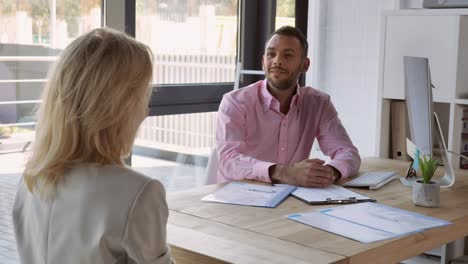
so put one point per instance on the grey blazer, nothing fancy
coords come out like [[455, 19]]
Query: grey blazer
[[100, 214]]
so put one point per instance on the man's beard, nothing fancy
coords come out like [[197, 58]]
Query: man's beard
[[284, 84], [281, 85]]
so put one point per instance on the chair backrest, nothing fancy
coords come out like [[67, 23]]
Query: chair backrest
[[212, 167], [213, 161]]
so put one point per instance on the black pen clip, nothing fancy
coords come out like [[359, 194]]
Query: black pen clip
[[347, 200], [342, 200]]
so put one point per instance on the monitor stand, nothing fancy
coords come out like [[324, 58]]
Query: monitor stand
[[449, 177], [445, 181]]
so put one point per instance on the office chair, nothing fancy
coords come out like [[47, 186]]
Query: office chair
[[213, 161], [212, 167]]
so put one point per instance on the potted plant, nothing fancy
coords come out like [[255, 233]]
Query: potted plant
[[426, 192]]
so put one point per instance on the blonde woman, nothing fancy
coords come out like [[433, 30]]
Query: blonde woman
[[78, 202]]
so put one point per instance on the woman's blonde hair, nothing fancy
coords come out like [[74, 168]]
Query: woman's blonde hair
[[89, 106]]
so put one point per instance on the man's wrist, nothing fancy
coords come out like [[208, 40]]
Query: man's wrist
[[336, 173], [276, 173]]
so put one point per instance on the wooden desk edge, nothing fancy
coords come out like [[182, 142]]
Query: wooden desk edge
[[190, 246]]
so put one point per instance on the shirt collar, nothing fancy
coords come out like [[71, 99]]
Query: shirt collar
[[267, 98]]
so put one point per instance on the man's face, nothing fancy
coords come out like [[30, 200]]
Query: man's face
[[283, 62]]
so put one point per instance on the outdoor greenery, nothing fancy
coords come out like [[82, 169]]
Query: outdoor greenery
[[7, 6], [71, 10], [428, 166], [39, 11], [8, 131], [285, 8]]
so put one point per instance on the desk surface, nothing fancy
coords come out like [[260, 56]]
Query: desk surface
[[201, 232]]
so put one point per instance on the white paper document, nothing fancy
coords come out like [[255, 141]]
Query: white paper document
[[328, 195], [340, 227], [242, 193], [385, 218], [368, 222]]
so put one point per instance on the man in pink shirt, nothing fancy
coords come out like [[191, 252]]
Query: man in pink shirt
[[265, 131]]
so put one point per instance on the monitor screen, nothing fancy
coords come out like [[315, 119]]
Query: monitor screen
[[419, 102]]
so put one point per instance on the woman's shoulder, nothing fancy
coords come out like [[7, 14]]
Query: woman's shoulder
[[114, 177], [121, 171]]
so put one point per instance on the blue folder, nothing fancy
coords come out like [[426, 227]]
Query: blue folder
[[249, 194]]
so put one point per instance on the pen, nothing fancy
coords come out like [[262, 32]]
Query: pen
[[348, 200], [256, 190]]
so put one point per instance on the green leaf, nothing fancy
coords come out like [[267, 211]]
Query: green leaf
[[428, 166]]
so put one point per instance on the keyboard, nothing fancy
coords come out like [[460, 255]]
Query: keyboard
[[373, 179]]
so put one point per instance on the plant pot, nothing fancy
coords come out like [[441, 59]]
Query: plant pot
[[426, 194]]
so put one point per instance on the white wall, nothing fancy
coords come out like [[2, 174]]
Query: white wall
[[345, 61]]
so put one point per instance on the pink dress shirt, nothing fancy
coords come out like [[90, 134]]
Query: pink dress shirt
[[252, 134]]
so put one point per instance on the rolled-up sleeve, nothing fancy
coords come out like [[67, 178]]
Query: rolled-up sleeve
[[335, 142], [145, 235], [230, 137]]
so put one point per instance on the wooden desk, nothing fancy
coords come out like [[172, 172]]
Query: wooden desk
[[201, 232]]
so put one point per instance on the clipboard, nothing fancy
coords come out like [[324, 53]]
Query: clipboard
[[333, 194]]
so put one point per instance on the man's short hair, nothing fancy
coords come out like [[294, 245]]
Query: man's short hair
[[292, 32]]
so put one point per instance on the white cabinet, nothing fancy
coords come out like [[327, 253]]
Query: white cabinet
[[441, 36], [433, 37]]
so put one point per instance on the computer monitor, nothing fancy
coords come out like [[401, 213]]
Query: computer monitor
[[423, 121]]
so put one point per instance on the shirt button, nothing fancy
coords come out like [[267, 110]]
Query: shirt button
[[282, 148]]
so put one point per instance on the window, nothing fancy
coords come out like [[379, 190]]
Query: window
[[195, 46], [32, 35], [193, 41], [285, 13]]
